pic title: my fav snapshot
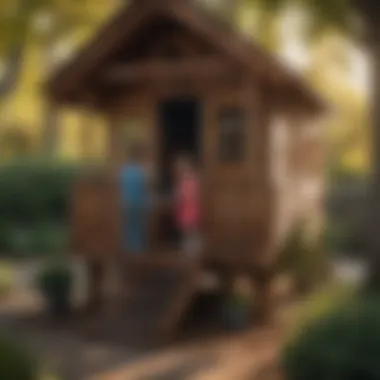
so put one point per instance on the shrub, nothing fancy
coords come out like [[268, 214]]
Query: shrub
[[55, 278], [55, 283], [343, 344], [320, 303], [34, 206], [345, 238], [47, 239], [16, 363], [336, 237], [305, 259], [33, 240], [35, 192]]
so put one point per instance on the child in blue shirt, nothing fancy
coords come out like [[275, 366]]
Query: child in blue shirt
[[135, 201]]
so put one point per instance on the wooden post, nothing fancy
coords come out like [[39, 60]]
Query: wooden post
[[96, 279]]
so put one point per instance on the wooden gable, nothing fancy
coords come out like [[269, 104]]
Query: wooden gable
[[171, 30]]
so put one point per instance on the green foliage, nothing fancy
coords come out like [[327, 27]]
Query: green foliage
[[325, 14], [55, 280], [16, 363], [320, 303], [345, 238], [336, 238], [304, 258], [34, 199], [55, 283], [35, 192], [342, 344], [32, 193], [38, 239]]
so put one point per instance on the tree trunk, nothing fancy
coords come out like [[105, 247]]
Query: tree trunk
[[374, 204], [13, 68]]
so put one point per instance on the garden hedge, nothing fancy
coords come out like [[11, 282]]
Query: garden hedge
[[34, 200]]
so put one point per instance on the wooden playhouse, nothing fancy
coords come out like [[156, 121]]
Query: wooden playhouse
[[174, 75]]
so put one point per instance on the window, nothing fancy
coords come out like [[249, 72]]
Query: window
[[231, 134]]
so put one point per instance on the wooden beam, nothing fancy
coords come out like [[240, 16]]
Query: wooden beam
[[160, 70]]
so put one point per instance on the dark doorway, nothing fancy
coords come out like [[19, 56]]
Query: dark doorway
[[179, 135], [180, 126]]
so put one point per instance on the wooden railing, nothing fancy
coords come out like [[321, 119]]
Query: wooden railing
[[95, 217], [96, 220]]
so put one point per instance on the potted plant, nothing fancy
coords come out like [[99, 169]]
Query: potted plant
[[55, 284], [237, 306]]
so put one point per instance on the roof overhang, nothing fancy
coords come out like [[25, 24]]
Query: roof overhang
[[120, 30]]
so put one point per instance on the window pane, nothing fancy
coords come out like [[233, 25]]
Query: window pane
[[231, 134]]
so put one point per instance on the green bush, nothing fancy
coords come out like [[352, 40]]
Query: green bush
[[336, 237], [343, 344], [34, 206], [16, 363], [345, 237], [55, 282], [55, 278], [321, 303], [35, 192], [33, 240]]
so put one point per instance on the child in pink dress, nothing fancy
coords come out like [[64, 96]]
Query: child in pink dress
[[187, 211]]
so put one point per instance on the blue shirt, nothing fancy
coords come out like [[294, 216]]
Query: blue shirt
[[134, 185]]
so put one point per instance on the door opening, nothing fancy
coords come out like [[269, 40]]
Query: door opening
[[179, 135], [180, 127]]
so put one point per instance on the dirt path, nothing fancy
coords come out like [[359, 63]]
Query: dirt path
[[68, 354]]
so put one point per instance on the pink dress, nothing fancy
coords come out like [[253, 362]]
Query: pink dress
[[188, 207]]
